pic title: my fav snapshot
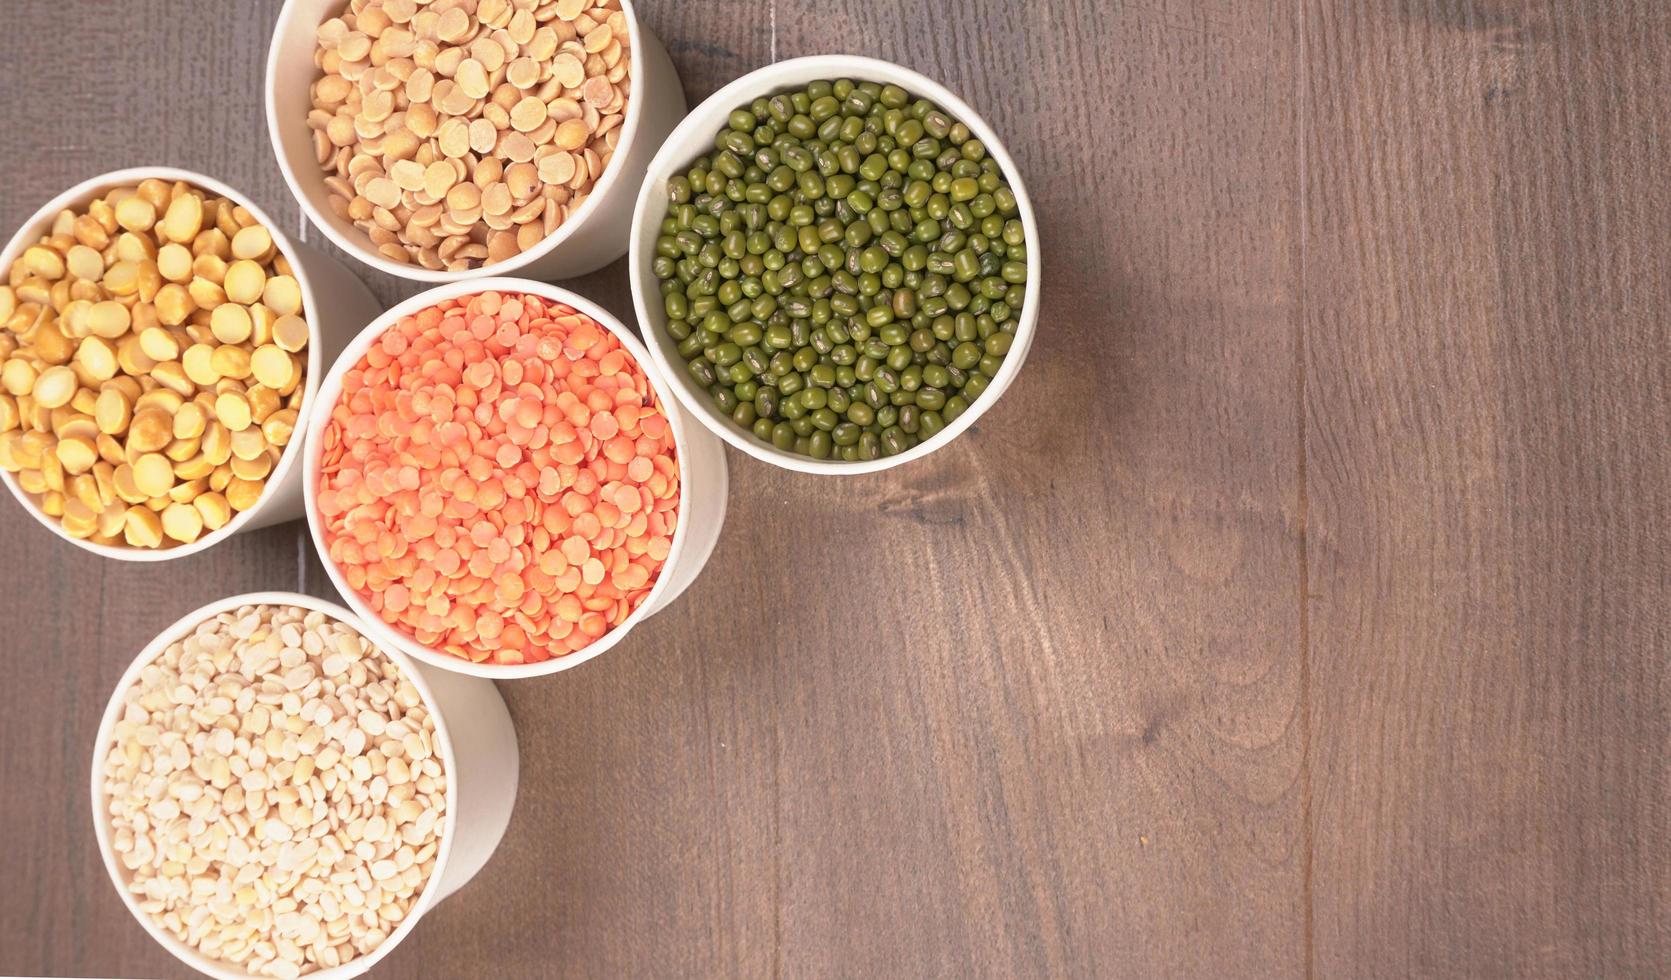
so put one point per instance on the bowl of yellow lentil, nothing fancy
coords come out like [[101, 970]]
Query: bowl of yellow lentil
[[161, 339]]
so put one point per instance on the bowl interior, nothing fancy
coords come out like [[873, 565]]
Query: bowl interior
[[101, 821], [290, 75], [694, 137], [330, 391], [79, 196]]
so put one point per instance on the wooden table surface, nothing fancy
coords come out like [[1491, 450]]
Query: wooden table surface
[[1303, 610]]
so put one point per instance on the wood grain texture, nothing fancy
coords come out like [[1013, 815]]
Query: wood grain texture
[[1299, 611], [1487, 438]]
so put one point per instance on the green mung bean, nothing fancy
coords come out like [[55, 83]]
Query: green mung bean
[[844, 271]]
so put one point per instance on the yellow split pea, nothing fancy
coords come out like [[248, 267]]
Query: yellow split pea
[[152, 360]]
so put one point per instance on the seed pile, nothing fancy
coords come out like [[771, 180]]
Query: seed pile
[[844, 273], [463, 132], [152, 364], [498, 479], [274, 791]]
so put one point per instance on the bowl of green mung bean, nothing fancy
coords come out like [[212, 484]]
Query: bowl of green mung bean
[[835, 264]]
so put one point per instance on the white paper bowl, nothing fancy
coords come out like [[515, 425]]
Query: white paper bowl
[[703, 484], [695, 137], [594, 236], [334, 303], [474, 737]]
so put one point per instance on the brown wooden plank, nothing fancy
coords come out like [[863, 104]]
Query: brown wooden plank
[[1089, 749], [1486, 371]]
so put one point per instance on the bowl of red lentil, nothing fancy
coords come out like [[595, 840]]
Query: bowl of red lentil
[[449, 140], [501, 483], [210, 802]]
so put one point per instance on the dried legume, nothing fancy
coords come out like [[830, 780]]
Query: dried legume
[[498, 479], [132, 333], [844, 273], [459, 133], [275, 791]]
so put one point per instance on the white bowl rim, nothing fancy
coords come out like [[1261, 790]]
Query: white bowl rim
[[182, 628], [28, 233], [330, 391], [764, 81], [317, 212]]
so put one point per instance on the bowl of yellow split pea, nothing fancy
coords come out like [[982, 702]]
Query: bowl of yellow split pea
[[160, 341]]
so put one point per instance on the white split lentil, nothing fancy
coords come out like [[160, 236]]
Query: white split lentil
[[274, 793]]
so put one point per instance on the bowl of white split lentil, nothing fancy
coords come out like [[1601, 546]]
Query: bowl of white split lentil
[[160, 337], [449, 139], [275, 795]]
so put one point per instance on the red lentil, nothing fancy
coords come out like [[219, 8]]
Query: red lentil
[[498, 479]]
